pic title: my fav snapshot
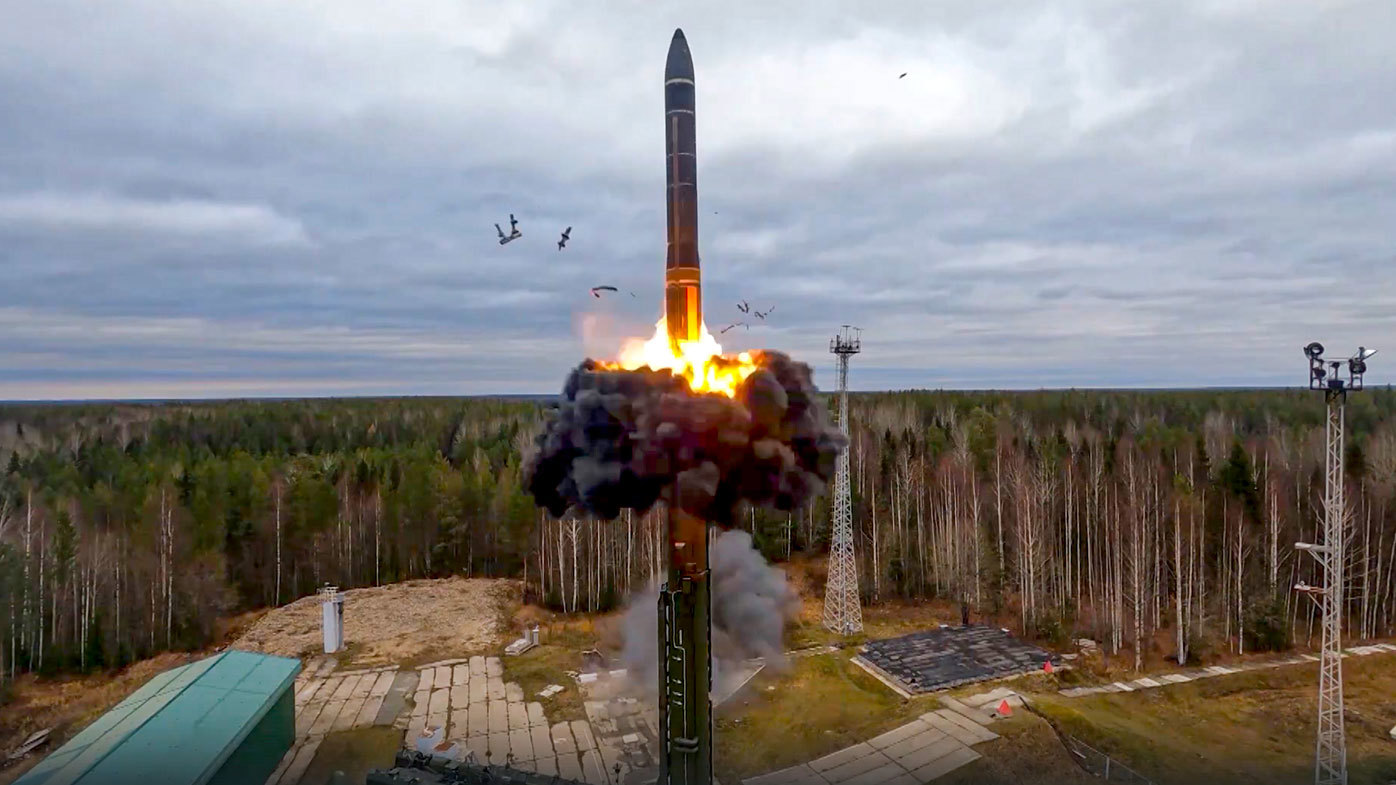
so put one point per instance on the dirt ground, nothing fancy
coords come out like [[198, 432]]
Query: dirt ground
[[401, 623]]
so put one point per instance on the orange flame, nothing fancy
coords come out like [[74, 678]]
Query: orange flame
[[701, 362]]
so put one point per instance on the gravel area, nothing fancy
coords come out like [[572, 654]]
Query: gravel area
[[394, 624]]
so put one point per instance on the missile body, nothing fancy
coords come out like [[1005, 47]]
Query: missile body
[[683, 301], [685, 660]]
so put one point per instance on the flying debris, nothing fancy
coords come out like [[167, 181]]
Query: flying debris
[[903, 76], [765, 313], [597, 290], [514, 232], [744, 307], [566, 235], [733, 324]]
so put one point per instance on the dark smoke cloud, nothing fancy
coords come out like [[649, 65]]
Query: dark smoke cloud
[[750, 601], [619, 439]]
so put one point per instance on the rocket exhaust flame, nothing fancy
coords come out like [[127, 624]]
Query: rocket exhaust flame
[[673, 417], [699, 361]]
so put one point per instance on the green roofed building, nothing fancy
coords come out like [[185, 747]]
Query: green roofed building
[[225, 720]]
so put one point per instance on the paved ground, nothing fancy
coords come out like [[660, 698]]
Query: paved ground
[[468, 698], [929, 747], [939, 659], [627, 729], [1159, 680], [327, 702]]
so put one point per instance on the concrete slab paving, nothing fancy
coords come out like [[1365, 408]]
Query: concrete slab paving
[[521, 744], [545, 766], [477, 690], [498, 747], [440, 701], [494, 667], [856, 766], [478, 723], [513, 692], [477, 666], [836, 759], [536, 715], [518, 715], [480, 745], [581, 732], [542, 741], [945, 764], [898, 734], [969, 726], [563, 743], [569, 767], [593, 770], [425, 683], [460, 695], [459, 728], [1146, 682], [460, 675], [931, 752], [795, 775], [878, 776], [499, 717], [925, 738]]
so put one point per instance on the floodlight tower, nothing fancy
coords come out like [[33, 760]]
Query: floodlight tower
[[842, 613], [1331, 757]]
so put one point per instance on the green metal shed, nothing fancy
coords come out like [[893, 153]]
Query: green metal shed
[[225, 720]]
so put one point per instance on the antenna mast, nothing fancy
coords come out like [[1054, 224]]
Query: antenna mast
[[842, 612], [1331, 758]]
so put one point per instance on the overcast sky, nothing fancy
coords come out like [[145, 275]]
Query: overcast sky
[[275, 197]]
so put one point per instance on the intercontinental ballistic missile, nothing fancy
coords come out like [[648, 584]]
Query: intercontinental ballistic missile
[[685, 654], [683, 300]]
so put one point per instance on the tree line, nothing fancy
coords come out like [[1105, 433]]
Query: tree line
[[1153, 521]]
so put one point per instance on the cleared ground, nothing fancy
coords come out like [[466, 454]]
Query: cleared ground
[[401, 623], [819, 705], [1243, 728]]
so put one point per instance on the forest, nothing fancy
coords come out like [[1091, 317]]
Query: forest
[[1153, 521]]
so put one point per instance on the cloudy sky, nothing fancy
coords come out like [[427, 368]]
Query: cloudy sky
[[213, 198]]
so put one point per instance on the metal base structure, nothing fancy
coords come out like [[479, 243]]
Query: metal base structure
[[843, 614], [1331, 757], [685, 656], [1330, 753]]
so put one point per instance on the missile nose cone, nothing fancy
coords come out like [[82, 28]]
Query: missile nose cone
[[680, 62]]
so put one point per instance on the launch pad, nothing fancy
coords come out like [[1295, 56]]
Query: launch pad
[[940, 659]]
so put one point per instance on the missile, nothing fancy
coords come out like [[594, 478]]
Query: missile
[[683, 301]]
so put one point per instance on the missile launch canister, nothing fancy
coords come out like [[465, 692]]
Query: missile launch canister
[[683, 301]]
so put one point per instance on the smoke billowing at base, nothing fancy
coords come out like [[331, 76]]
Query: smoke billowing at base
[[620, 439], [751, 603]]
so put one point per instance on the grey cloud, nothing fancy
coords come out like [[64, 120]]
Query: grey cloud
[[1057, 194]]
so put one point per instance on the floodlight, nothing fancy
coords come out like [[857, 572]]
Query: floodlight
[[1319, 373], [1357, 367], [1314, 350]]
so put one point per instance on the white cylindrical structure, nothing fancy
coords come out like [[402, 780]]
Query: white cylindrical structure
[[332, 612]]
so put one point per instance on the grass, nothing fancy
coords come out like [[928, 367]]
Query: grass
[[543, 665], [347, 757], [1028, 751], [822, 704], [1242, 728]]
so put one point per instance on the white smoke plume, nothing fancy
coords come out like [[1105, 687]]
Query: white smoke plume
[[751, 603]]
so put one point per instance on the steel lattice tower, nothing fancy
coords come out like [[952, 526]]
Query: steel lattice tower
[[842, 612], [1330, 758]]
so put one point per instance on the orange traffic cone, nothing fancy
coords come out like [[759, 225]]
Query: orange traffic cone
[[1004, 708], [1047, 666]]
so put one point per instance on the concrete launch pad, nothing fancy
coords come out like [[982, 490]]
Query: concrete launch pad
[[950, 656]]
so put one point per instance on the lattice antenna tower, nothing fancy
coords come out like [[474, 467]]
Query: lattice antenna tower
[[842, 613], [1331, 757]]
